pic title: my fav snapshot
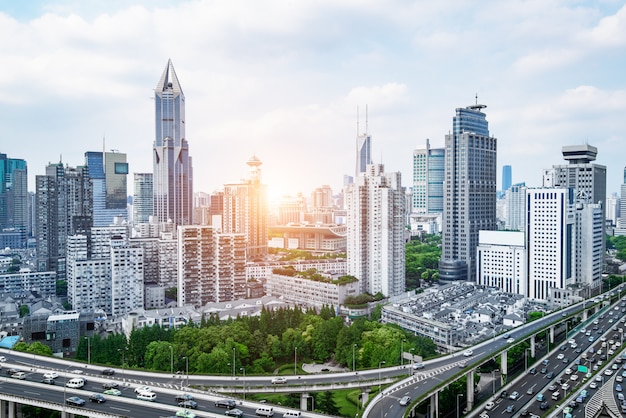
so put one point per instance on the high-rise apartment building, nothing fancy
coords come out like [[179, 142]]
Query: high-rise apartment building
[[245, 210], [64, 207], [428, 175], [172, 175], [108, 172], [211, 266], [126, 276], [621, 222], [375, 229], [469, 202], [142, 197], [516, 208], [612, 208], [13, 202]]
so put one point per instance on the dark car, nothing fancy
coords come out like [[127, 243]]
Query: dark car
[[565, 360], [11, 372], [550, 375], [75, 400], [110, 385], [234, 412], [532, 370], [510, 408], [48, 381], [544, 370], [184, 397], [504, 394], [97, 398], [108, 372], [543, 406], [188, 404], [563, 347], [226, 403]]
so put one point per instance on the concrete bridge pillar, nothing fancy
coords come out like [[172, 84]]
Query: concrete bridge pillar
[[304, 401], [11, 410], [503, 367], [470, 390], [551, 334], [434, 405], [532, 346], [3, 409]]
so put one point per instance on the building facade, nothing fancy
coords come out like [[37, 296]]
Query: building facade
[[428, 175], [172, 169], [108, 172], [501, 261], [469, 192], [375, 231], [14, 200], [142, 197], [245, 211]]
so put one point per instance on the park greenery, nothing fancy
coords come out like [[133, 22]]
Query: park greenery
[[617, 243], [422, 260]]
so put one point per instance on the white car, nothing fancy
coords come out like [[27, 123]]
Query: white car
[[3, 359], [489, 406], [468, 353], [76, 371], [510, 340], [593, 385], [143, 389], [278, 380], [573, 377], [560, 356], [51, 375]]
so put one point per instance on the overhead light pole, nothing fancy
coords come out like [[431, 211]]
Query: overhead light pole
[[457, 404], [88, 349], [353, 358], [295, 360], [171, 360], [233, 362], [243, 370]]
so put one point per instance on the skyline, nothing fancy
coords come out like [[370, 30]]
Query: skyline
[[260, 77]]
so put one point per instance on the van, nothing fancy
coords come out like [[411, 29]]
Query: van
[[292, 414], [146, 396], [76, 383], [265, 411]]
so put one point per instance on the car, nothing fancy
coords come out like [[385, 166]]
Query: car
[[19, 375], [108, 372], [483, 415], [110, 385], [549, 375], [468, 353], [541, 397], [506, 336], [225, 403], [76, 371], [278, 380], [620, 396], [543, 370], [234, 412], [563, 347], [530, 391], [48, 381], [618, 388], [532, 370], [510, 408], [504, 394], [97, 398], [112, 391], [593, 385], [11, 372], [565, 360], [543, 406], [462, 364], [568, 371], [184, 397], [565, 386], [3, 359], [489, 406], [51, 375], [417, 366], [560, 356], [75, 401], [598, 378], [514, 395], [573, 377], [552, 388], [578, 350], [188, 404], [142, 389], [545, 362], [615, 367], [608, 372], [510, 340], [405, 400], [185, 413]]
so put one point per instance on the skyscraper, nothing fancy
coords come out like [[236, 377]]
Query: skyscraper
[[428, 174], [13, 201], [173, 175], [469, 192], [364, 152], [375, 205], [142, 197], [108, 172], [245, 210], [506, 178], [64, 207]]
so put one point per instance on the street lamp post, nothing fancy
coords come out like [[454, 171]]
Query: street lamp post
[[244, 382], [380, 363], [295, 360], [493, 380], [88, 350], [457, 404], [187, 369], [233, 362], [353, 358], [526, 359], [171, 360]]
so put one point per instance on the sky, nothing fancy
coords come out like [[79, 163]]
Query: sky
[[283, 80]]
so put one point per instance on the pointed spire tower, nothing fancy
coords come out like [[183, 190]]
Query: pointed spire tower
[[172, 170]]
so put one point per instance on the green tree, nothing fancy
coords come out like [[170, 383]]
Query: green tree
[[24, 310], [325, 402]]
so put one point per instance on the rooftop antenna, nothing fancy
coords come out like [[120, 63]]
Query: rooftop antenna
[[477, 107]]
